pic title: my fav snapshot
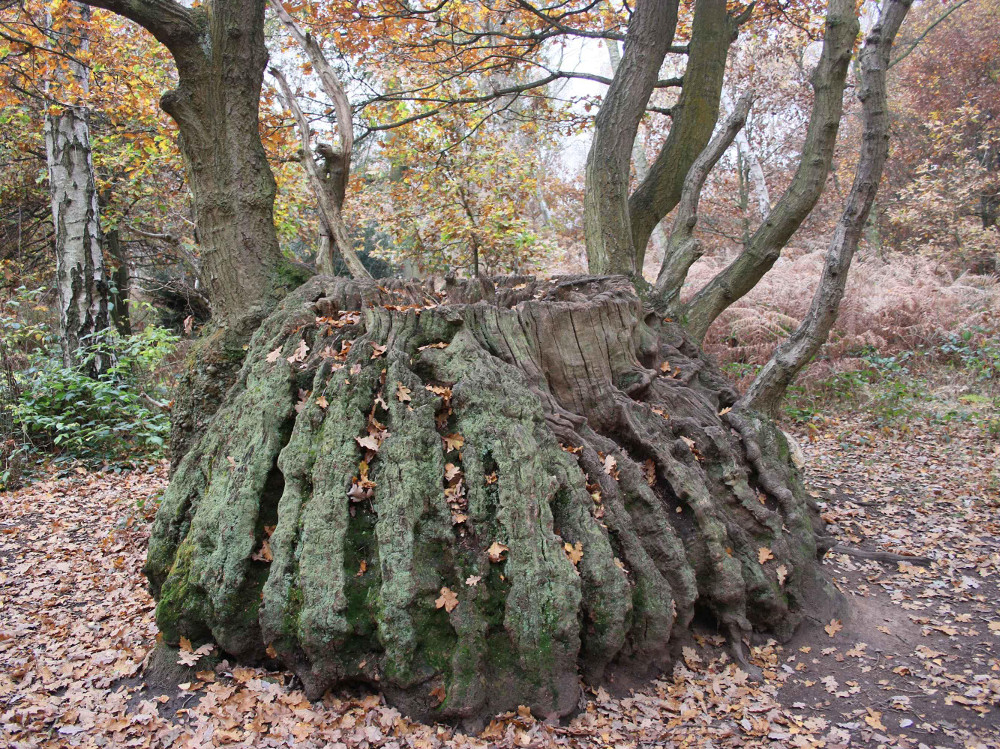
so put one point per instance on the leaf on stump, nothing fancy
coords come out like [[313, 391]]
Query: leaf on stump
[[448, 600], [496, 551]]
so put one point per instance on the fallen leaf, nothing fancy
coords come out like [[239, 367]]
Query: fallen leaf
[[377, 350], [574, 552], [322, 402], [764, 554], [448, 600], [833, 627], [403, 393], [300, 353], [274, 356], [496, 551], [782, 574], [453, 442], [473, 580]]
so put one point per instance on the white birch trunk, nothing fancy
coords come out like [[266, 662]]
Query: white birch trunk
[[80, 275]]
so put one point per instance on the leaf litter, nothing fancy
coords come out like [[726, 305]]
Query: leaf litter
[[916, 664]]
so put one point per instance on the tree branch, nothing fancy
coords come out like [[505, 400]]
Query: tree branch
[[683, 249]]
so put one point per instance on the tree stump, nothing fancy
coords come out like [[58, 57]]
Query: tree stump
[[473, 500]]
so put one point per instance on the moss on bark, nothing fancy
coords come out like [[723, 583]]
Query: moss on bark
[[561, 461]]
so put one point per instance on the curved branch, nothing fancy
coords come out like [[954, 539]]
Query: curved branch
[[682, 247]]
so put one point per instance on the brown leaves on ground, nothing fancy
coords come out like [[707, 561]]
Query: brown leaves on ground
[[76, 624]]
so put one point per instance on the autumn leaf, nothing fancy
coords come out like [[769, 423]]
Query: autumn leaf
[[833, 627], [874, 719], [403, 393], [439, 344], [451, 471], [453, 442], [274, 356], [369, 442], [496, 551], [377, 350], [473, 580], [448, 600], [438, 693], [782, 574], [301, 351], [322, 402], [264, 553], [764, 554], [574, 552]]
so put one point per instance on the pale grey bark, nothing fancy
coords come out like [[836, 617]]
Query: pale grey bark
[[81, 280], [767, 390], [329, 184], [828, 81], [758, 183], [683, 248], [328, 191]]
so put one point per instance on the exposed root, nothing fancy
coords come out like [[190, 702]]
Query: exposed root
[[881, 556], [471, 502]]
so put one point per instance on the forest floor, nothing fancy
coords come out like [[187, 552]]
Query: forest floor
[[915, 664]]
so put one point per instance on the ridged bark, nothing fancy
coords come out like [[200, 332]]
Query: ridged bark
[[552, 418]]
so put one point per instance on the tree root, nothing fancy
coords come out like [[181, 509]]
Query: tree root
[[881, 556]]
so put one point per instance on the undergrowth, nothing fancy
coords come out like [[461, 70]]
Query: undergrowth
[[58, 414]]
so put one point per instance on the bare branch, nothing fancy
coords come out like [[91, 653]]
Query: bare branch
[[682, 246]]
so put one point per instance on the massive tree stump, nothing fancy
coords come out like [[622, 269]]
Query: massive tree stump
[[471, 501]]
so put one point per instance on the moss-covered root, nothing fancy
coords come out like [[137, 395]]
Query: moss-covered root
[[472, 505]]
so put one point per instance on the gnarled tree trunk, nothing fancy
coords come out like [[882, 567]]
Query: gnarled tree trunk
[[471, 504]]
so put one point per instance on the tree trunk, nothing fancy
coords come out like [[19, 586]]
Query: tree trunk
[[694, 117], [768, 388], [81, 281], [220, 55], [122, 284], [470, 506], [608, 171], [683, 248], [828, 82]]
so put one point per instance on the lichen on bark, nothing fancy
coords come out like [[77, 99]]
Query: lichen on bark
[[554, 454]]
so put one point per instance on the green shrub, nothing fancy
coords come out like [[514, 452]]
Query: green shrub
[[114, 418]]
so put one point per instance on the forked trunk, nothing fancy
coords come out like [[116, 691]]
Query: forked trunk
[[469, 506]]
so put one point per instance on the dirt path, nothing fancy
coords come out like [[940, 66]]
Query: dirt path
[[916, 664]]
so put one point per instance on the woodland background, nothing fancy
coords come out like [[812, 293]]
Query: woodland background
[[501, 177]]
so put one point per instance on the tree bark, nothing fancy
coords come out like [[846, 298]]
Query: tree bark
[[328, 186], [768, 388], [683, 249], [694, 118], [828, 82], [608, 170], [220, 55], [470, 505], [81, 280], [639, 160]]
